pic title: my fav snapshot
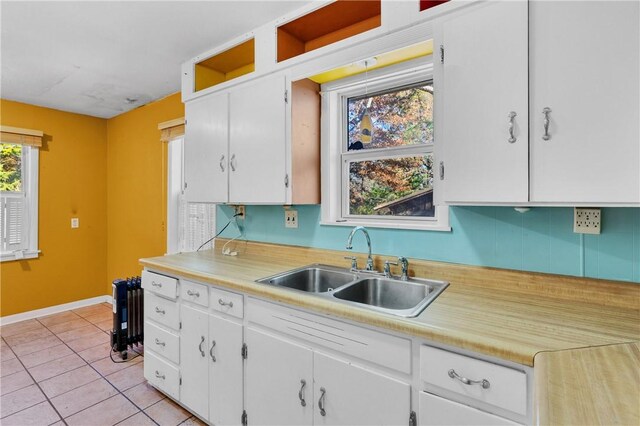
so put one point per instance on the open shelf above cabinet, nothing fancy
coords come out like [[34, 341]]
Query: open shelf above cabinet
[[326, 25], [224, 66]]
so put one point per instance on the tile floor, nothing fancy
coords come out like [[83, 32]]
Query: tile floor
[[56, 370]]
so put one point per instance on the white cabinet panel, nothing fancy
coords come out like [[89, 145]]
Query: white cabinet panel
[[436, 411], [258, 142], [162, 342], [206, 149], [485, 79], [352, 395], [225, 371], [160, 284], [161, 374], [275, 369], [584, 66], [194, 361]]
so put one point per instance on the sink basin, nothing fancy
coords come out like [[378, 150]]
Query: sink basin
[[312, 279], [403, 298]]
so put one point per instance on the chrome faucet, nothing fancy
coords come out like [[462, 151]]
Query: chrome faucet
[[404, 263], [366, 234]]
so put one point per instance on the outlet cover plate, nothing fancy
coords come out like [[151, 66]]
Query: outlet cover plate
[[75, 222], [586, 221], [291, 218]]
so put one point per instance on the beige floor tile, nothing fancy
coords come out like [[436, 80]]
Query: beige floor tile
[[89, 342], [95, 353], [63, 327], [140, 419], [60, 423], [79, 333], [83, 397], [36, 345], [10, 366], [144, 395], [19, 328], [38, 415], [105, 325], [19, 400], [56, 367], [106, 366], [45, 355], [14, 382], [68, 381], [104, 315], [6, 352], [127, 378], [167, 413], [105, 413], [54, 319], [92, 310], [27, 336], [193, 421]]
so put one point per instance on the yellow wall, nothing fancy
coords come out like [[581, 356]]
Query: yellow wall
[[136, 186], [73, 179]]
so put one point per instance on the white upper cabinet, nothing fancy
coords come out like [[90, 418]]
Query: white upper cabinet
[[584, 69], [206, 149], [484, 84], [257, 149]]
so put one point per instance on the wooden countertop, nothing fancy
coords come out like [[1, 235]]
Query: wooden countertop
[[511, 315]]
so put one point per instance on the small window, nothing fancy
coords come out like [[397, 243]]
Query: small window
[[11, 167]]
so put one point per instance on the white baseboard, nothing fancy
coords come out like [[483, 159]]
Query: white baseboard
[[10, 319]]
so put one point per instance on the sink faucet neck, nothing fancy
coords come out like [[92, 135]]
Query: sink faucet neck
[[366, 234]]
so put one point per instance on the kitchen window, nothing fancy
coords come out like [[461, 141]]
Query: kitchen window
[[378, 149]]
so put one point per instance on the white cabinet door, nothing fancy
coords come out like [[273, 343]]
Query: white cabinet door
[[436, 411], [194, 365], [274, 389], [225, 372], [485, 79], [584, 67], [206, 149], [353, 395], [258, 142]]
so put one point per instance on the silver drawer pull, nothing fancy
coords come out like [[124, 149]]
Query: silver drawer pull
[[155, 284], [484, 382], [160, 342], [323, 391], [223, 303], [159, 311], [546, 111], [200, 347], [213, 345], [193, 293], [159, 376], [303, 383]]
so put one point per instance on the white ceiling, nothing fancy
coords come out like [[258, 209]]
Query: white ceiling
[[88, 57]]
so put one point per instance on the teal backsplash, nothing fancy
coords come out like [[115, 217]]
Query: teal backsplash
[[541, 240]]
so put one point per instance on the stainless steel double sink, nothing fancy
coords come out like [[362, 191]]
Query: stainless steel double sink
[[362, 288]]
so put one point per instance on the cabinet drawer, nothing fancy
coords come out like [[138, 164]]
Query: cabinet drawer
[[436, 411], [506, 387], [160, 284], [195, 293], [227, 302], [161, 310], [162, 342], [161, 374]]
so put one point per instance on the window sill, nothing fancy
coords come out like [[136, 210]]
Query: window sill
[[26, 254], [390, 225]]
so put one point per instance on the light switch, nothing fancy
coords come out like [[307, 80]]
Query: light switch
[[75, 222]]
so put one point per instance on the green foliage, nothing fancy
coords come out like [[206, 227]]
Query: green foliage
[[10, 167]]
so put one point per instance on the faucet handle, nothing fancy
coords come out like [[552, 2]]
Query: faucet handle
[[354, 262], [404, 262], [387, 267]]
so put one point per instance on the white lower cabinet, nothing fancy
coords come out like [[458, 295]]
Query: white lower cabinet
[[436, 411], [194, 362]]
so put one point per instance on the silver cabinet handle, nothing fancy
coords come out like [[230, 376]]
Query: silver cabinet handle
[[159, 376], [232, 162], [213, 345], [303, 383], [159, 311], [223, 303], [484, 382], [193, 293], [546, 111], [155, 284], [222, 163], [160, 343], [323, 391], [512, 115], [200, 347]]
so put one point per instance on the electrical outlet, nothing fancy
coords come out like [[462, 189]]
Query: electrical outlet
[[75, 222], [291, 218], [586, 221], [241, 211]]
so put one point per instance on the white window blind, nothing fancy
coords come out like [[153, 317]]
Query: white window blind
[[14, 223], [198, 224]]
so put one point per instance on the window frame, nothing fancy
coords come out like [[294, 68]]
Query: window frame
[[335, 157], [30, 167]]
